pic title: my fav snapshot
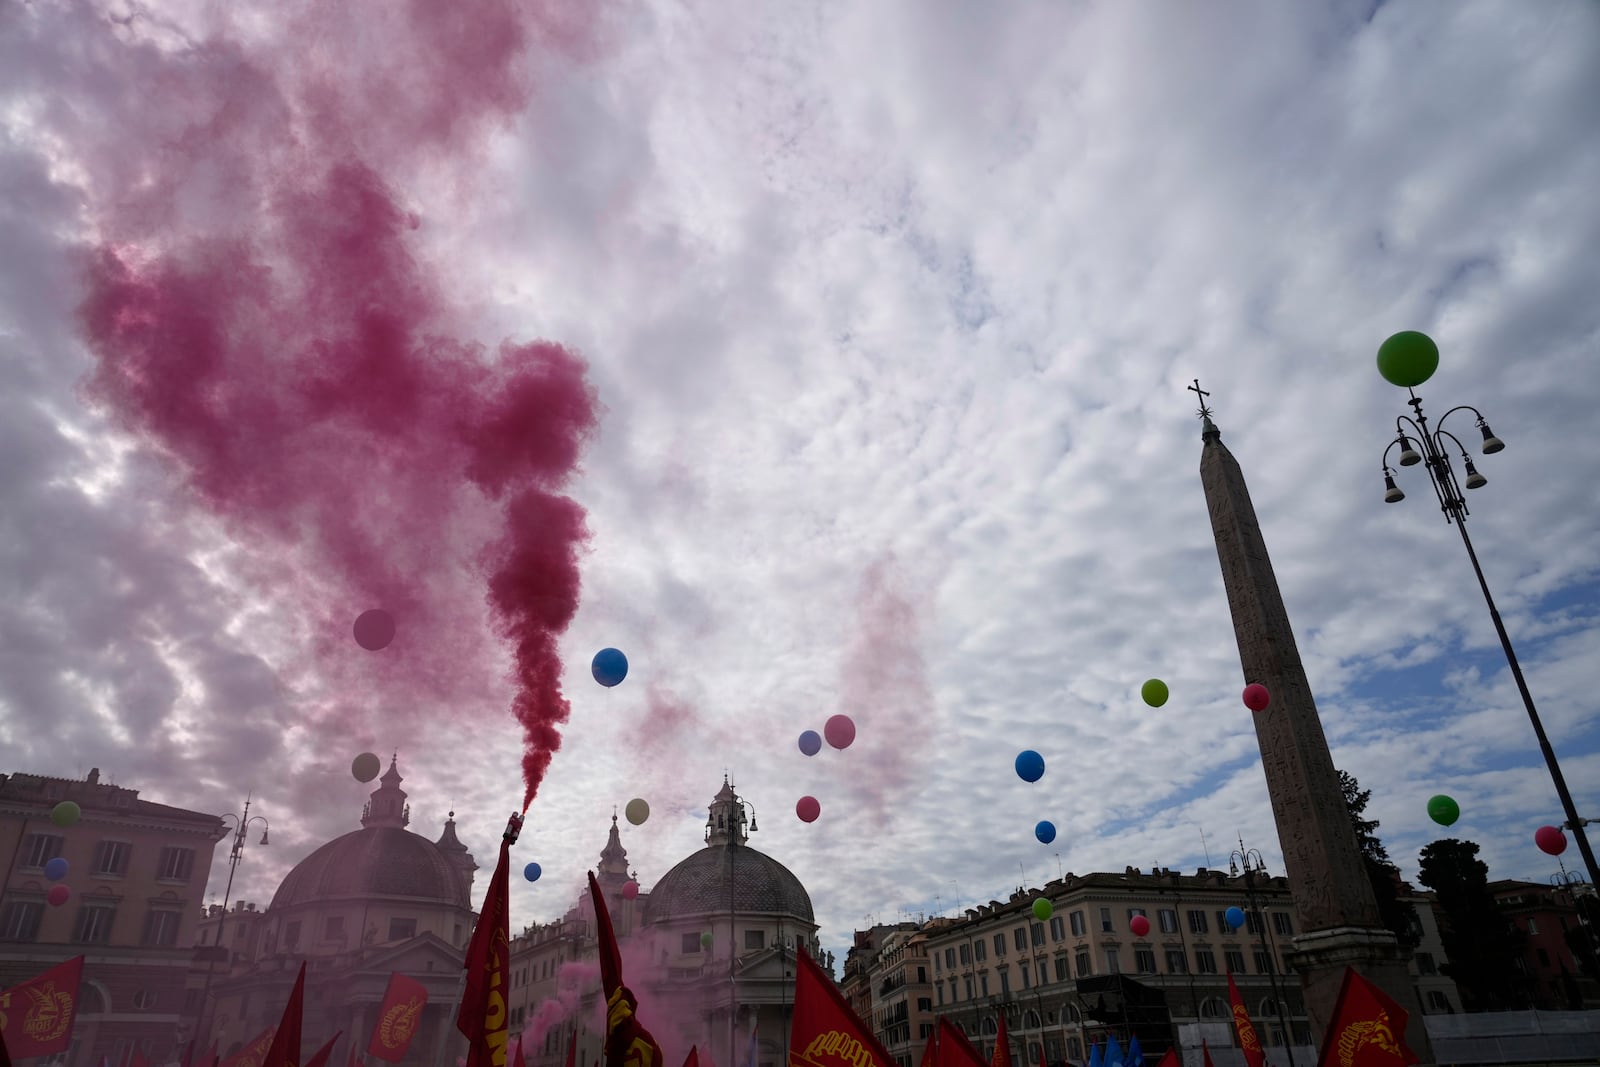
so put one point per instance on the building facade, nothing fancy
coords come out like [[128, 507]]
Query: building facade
[[1556, 980], [136, 872]]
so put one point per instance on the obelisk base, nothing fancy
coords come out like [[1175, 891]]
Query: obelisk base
[[1319, 958]]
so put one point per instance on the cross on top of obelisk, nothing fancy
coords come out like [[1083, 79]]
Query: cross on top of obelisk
[[1207, 426]]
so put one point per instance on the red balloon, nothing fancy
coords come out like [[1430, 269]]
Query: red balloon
[[1256, 697], [58, 895], [1550, 840], [839, 731], [374, 629], [808, 809], [1139, 925], [630, 889]]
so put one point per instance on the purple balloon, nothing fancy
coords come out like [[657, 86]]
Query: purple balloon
[[811, 742]]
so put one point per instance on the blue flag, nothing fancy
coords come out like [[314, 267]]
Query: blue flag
[[1135, 1056], [1113, 1052], [1094, 1056]]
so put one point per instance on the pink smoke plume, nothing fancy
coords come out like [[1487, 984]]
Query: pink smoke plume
[[262, 314]]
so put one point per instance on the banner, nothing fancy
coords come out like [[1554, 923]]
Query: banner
[[628, 1043], [1249, 1043], [1002, 1044], [825, 1032], [36, 1016], [483, 1016], [398, 1018], [1369, 1028]]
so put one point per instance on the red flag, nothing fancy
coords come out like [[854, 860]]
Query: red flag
[[1248, 1041], [1369, 1028], [1002, 1045], [285, 1048], [138, 1059], [253, 1054], [824, 1031], [5, 1057], [628, 1043], [37, 1015], [691, 1060], [954, 1048], [930, 1051], [351, 1060], [483, 1015], [1170, 1058], [321, 1056], [213, 1056], [1205, 1055], [398, 1018], [188, 1052], [572, 1050]]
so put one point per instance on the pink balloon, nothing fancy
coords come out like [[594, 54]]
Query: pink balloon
[[839, 731], [630, 889], [58, 895], [1550, 839], [1139, 925], [1256, 697], [808, 809]]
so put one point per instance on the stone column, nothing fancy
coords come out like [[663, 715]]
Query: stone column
[[1339, 920]]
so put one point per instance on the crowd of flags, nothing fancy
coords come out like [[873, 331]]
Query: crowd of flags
[[37, 1016]]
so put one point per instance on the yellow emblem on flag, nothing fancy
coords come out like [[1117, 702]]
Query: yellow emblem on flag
[[399, 1023], [48, 1015]]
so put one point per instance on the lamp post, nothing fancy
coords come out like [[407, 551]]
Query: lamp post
[[1435, 456], [235, 854], [1250, 859]]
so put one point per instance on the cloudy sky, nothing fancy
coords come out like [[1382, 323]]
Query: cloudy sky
[[865, 334]]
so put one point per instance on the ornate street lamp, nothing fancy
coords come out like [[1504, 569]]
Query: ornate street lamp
[[241, 827], [1250, 859], [1408, 359]]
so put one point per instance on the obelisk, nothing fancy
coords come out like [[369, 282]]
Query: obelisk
[[1339, 921]]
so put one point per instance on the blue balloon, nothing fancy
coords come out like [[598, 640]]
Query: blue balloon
[[610, 667], [811, 742], [1045, 831], [1235, 916], [56, 869], [532, 872], [1030, 765]]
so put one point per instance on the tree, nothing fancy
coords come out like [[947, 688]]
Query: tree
[[1482, 944], [1397, 915]]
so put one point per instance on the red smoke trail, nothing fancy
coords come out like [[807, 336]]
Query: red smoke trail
[[259, 313]]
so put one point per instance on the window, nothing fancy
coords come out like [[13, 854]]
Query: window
[[953, 997], [1044, 973], [1197, 921], [1263, 962], [1425, 964], [42, 848], [1205, 961], [1019, 937], [1085, 964], [1236, 961], [1105, 921], [1144, 960], [1437, 1001], [1214, 1008], [1253, 923], [1022, 971], [1063, 969], [20, 920], [1281, 924], [333, 927], [969, 985], [94, 924], [966, 954], [980, 951], [924, 1004], [922, 975], [938, 992], [1177, 963], [177, 864], [111, 858], [1079, 927], [950, 958], [402, 929], [1169, 920], [291, 935], [1533, 927], [999, 944], [1137, 911], [1005, 982], [144, 1000], [1222, 922], [689, 944], [1036, 934], [1058, 928], [1113, 965], [754, 939], [161, 928]]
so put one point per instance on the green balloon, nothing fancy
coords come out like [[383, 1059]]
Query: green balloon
[[1154, 692], [705, 940], [1042, 909], [637, 811], [65, 813], [1408, 359], [1443, 810]]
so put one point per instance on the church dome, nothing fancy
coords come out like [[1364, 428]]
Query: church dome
[[377, 861], [727, 874]]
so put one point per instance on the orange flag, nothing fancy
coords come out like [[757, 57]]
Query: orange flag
[[483, 1015], [1002, 1046], [320, 1057], [37, 1015], [954, 1048], [398, 1018], [285, 1048], [824, 1031], [628, 1043], [1369, 1028], [1249, 1043]]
